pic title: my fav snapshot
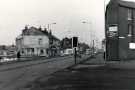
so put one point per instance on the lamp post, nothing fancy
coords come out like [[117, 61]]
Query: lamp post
[[91, 34], [84, 22]]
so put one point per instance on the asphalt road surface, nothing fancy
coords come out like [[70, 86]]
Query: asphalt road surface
[[16, 75], [91, 75]]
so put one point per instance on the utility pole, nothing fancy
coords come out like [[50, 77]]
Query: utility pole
[[93, 46]]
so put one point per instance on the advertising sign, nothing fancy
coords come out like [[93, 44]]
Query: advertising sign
[[113, 28], [131, 45], [112, 32]]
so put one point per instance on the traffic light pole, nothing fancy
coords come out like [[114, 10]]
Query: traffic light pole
[[75, 45], [75, 54]]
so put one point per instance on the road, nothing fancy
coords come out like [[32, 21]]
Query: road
[[16, 75], [91, 75]]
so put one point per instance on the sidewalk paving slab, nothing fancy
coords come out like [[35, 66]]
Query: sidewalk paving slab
[[91, 75]]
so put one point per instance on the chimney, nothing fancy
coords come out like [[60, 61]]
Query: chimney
[[26, 27], [40, 28], [50, 32], [45, 30]]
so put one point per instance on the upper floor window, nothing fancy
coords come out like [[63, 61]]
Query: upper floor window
[[40, 41], [130, 30], [129, 14]]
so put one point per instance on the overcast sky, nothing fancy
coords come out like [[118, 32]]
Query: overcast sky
[[68, 14]]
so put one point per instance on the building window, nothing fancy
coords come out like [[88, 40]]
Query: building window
[[41, 51], [40, 41], [130, 30], [32, 49], [22, 51], [129, 14]]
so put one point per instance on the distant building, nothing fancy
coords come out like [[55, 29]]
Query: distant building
[[37, 42], [66, 46], [8, 51], [120, 30], [3, 51]]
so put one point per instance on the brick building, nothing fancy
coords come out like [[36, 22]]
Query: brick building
[[120, 30]]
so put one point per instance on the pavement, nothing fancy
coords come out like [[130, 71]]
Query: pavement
[[129, 64], [93, 74]]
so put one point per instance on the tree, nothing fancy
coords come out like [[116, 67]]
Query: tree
[[66, 43]]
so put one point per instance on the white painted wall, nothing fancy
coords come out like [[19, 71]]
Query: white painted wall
[[33, 41]]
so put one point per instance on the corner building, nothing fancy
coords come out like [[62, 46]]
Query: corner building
[[120, 30]]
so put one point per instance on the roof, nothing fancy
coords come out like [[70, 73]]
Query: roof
[[19, 37], [2, 47], [52, 36], [38, 31], [129, 4]]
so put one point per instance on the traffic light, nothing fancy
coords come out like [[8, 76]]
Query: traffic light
[[75, 41]]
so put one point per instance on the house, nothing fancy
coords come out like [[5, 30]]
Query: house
[[37, 42], [119, 30], [54, 45]]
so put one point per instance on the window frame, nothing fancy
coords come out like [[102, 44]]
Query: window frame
[[40, 41], [130, 14]]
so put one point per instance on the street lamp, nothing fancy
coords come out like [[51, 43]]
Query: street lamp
[[84, 22], [91, 35]]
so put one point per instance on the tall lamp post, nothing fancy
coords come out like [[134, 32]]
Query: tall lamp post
[[91, 39]]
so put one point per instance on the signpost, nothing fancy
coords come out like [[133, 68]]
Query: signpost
[[75, 45]]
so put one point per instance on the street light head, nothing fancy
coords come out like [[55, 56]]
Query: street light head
[[84, 22], [53, 23]]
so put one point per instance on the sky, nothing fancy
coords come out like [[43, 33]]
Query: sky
[[67, 14]]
